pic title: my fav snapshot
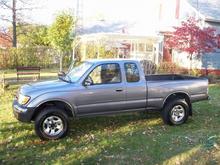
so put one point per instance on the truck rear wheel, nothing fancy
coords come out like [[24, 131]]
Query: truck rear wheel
[[51, 124], [175, 112]]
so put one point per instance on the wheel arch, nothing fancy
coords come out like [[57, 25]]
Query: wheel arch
[[65, 106], [181, 95]]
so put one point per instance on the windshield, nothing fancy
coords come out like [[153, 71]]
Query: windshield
[[76, 72]]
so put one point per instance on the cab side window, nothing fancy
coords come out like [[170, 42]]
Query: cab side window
[[106, 74], [132, 72]]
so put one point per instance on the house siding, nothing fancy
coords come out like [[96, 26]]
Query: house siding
[[208, 62], [211, 61]]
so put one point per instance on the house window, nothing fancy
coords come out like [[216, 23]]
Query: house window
[[149, 47], [132, 47], [218, 41], [141, 47]]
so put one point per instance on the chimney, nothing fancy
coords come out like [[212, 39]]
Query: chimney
[[160, 10], [177, 15]]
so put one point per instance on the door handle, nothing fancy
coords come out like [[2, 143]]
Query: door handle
[[119, 90]]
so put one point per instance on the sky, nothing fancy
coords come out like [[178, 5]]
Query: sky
[[48, 9], [96, 9], [44, 11], [142, 11]]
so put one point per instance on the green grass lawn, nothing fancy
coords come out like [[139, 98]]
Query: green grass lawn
[[126, 139]]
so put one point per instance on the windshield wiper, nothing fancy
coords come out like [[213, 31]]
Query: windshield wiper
[[63, 79], [68, 77]]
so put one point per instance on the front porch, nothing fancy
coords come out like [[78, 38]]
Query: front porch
[[113, 45]]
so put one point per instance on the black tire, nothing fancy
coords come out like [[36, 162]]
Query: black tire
[[46, 115], [169, 114]]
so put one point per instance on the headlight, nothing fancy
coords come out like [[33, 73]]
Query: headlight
[[23, 99]]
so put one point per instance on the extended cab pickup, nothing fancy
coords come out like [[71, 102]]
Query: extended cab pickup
[[102, 87]]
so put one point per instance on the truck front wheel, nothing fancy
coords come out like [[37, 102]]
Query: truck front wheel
[[175, 112], [51, 124]]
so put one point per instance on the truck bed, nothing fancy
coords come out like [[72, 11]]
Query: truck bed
[[161, 86], [168, 77]]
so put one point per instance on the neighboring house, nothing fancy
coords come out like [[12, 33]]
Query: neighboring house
[[123, 45], [142, 27], [4, 42], [132, 36], [171, 14]]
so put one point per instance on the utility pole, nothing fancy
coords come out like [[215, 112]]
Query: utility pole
[[79, 18], [14, 23], [197, 4], [78, 26]]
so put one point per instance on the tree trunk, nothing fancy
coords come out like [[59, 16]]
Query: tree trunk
[[73, 59], [73, 55], [14, 24], [61, 61], [2, 81], [190, 69]]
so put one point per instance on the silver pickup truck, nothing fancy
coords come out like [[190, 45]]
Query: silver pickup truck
[[103, 87]]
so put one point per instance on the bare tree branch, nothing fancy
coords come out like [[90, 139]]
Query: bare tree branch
[[5, 19], [26, 2], [14, 15], [4, 3], [21, 9]]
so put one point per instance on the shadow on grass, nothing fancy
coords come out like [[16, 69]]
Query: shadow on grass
[[86, 125], [121, 139], [124, 139], [20, 144]]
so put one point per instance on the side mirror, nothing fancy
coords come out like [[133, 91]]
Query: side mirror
[[61, 74], [88, 82]]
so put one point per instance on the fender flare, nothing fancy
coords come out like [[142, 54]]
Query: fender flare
[[184, 93], [72, 107]]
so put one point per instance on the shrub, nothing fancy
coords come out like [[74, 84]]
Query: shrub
[[196, 72], [31, 56], [148, 67], [168, 67]]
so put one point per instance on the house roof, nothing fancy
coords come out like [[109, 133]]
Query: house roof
[[104, 27], [208, 8], [117, 37], [134, 27], [137, 24], [4, 43], [125, 17]]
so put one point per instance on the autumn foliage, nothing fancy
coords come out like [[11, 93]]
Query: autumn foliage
[[191, 38]]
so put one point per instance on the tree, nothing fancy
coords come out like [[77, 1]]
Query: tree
[[192, 39], [33, 35], [60, 34], [12, 12]]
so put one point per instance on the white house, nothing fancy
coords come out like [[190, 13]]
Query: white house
[[136, 28], [172, 12], [127, 27]]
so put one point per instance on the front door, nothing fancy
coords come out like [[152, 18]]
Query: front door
[[105, 93]]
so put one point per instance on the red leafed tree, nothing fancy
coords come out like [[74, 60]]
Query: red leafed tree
[[192, 39]]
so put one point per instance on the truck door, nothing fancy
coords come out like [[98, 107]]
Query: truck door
[[136, 88], [106, 91]]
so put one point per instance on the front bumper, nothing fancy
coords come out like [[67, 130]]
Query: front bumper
[[22, 113]]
